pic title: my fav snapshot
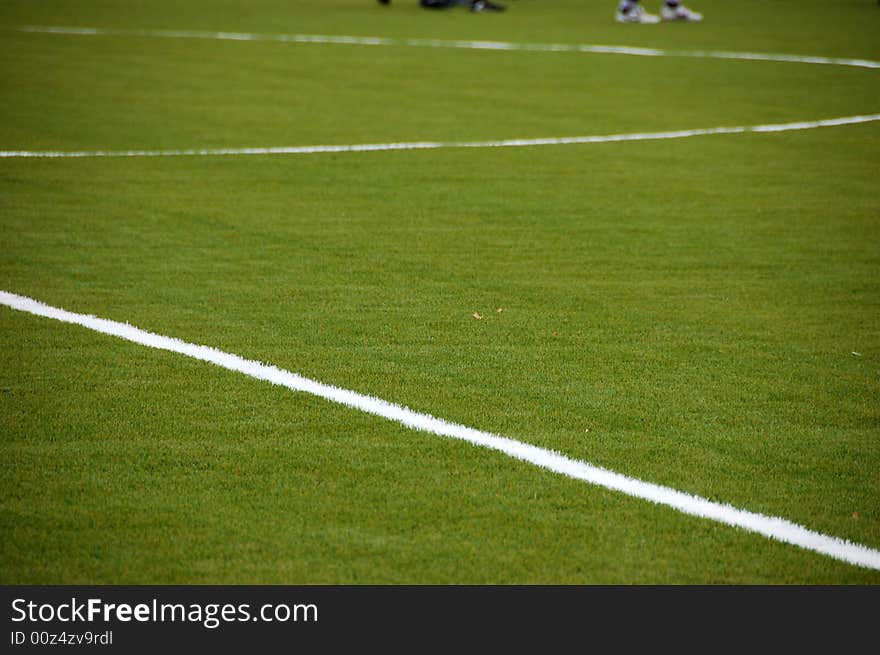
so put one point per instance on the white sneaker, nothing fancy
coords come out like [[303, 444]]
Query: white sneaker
[[680, 13], [635, 14]]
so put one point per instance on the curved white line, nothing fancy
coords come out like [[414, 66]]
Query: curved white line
[[440, 43], [434, 145], [769, 526]]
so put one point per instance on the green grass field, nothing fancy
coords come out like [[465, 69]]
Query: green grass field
[[702, 313]]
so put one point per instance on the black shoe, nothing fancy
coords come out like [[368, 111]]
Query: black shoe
[[384, 2], [485, 5]]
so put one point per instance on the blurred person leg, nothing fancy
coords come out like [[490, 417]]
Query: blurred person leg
[[673, 10], [631, 11]]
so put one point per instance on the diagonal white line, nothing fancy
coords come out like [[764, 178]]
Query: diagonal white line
[[773, 527], [434, 145], [465, 45]]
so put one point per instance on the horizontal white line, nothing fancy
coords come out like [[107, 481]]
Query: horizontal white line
[[773, 527], [434, 145], [467, 45]]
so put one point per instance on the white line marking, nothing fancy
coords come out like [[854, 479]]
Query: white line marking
[[467, 45], [434, 145], [773, 527]]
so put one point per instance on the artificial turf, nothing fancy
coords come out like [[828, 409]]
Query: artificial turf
[[701, 313]]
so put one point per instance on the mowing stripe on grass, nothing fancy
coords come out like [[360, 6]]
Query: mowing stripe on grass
[[466, 45], [434, 145], [776, 528]]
